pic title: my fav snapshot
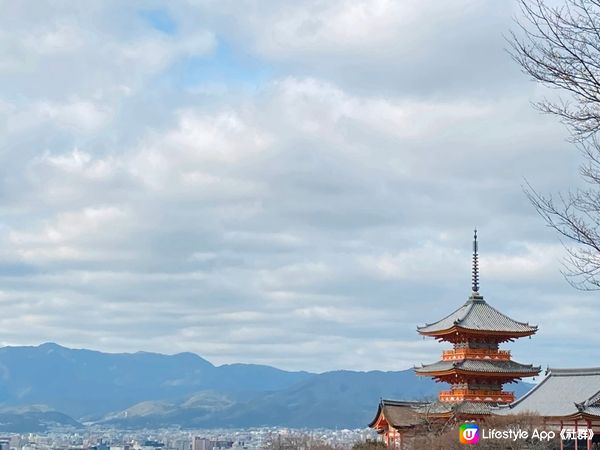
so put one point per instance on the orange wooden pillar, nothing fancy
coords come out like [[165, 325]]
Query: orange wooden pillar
[[589, 441], [562, 443]]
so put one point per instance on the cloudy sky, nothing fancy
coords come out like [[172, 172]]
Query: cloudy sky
[[289, 183]]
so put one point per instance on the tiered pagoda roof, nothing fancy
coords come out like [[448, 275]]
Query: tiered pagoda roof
[[476, 368], [485, 366], [477, 315]]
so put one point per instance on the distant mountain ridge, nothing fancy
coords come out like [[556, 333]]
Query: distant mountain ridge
[[154, 390], [85, 383]]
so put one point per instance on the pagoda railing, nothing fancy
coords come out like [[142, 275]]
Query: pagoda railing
[[476, 395], [475, 353]]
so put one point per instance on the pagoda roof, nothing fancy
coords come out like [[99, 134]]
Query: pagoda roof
[[478, 315], [479, 366], [563, 393], [398, 414]]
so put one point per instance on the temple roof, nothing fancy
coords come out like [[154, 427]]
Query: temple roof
[[563, 393], [488, 366], [591, 406], [442, 408], [398, 414], [476, 314]]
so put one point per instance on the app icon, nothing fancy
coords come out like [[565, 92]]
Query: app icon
[[468, 433]]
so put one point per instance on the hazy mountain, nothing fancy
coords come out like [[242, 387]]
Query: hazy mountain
[[149, 389], [339, 399], [33, 418], [89, 383], [332, 399]]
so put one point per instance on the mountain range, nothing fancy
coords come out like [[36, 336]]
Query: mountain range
[[50, 385]]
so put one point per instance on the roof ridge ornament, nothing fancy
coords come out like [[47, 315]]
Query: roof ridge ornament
[[475, 272]]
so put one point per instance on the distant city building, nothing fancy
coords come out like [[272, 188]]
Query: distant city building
[[100, 446], [201, 444], [120, 447], [182, 444]]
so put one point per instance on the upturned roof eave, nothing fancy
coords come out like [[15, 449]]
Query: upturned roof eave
[[380, 417], [476, 306], [377, 416], [458, 328], [444, 368], [458, 371], [579, 415]]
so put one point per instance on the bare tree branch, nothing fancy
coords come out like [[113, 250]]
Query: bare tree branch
[[559, 47]]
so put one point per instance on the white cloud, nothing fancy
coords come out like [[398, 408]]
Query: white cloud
[[61, 37], [69, 235], [78, 114], [327, 207], [346, 26]]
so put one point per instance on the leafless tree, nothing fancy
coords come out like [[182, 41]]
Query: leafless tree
[[369, 445], [446, 438], [559, 46]]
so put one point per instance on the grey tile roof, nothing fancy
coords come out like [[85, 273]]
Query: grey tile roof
[[399, 414], [591, 406], [477, 314], [480, 366], [592, 411], [460, 408], [563, 392], [436, 408], [473, 408]]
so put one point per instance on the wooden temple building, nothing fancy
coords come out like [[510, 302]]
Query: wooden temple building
[[566, 399], [475, 368], [397, 421]]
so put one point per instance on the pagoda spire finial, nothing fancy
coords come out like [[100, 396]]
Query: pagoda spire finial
[[475, 279]]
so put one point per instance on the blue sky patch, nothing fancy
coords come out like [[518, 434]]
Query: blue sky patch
[[226, 65], [160, 20]]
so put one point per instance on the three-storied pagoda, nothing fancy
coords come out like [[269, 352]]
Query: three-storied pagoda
[[476, 368]]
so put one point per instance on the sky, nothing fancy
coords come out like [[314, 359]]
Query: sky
[[284, 183]]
